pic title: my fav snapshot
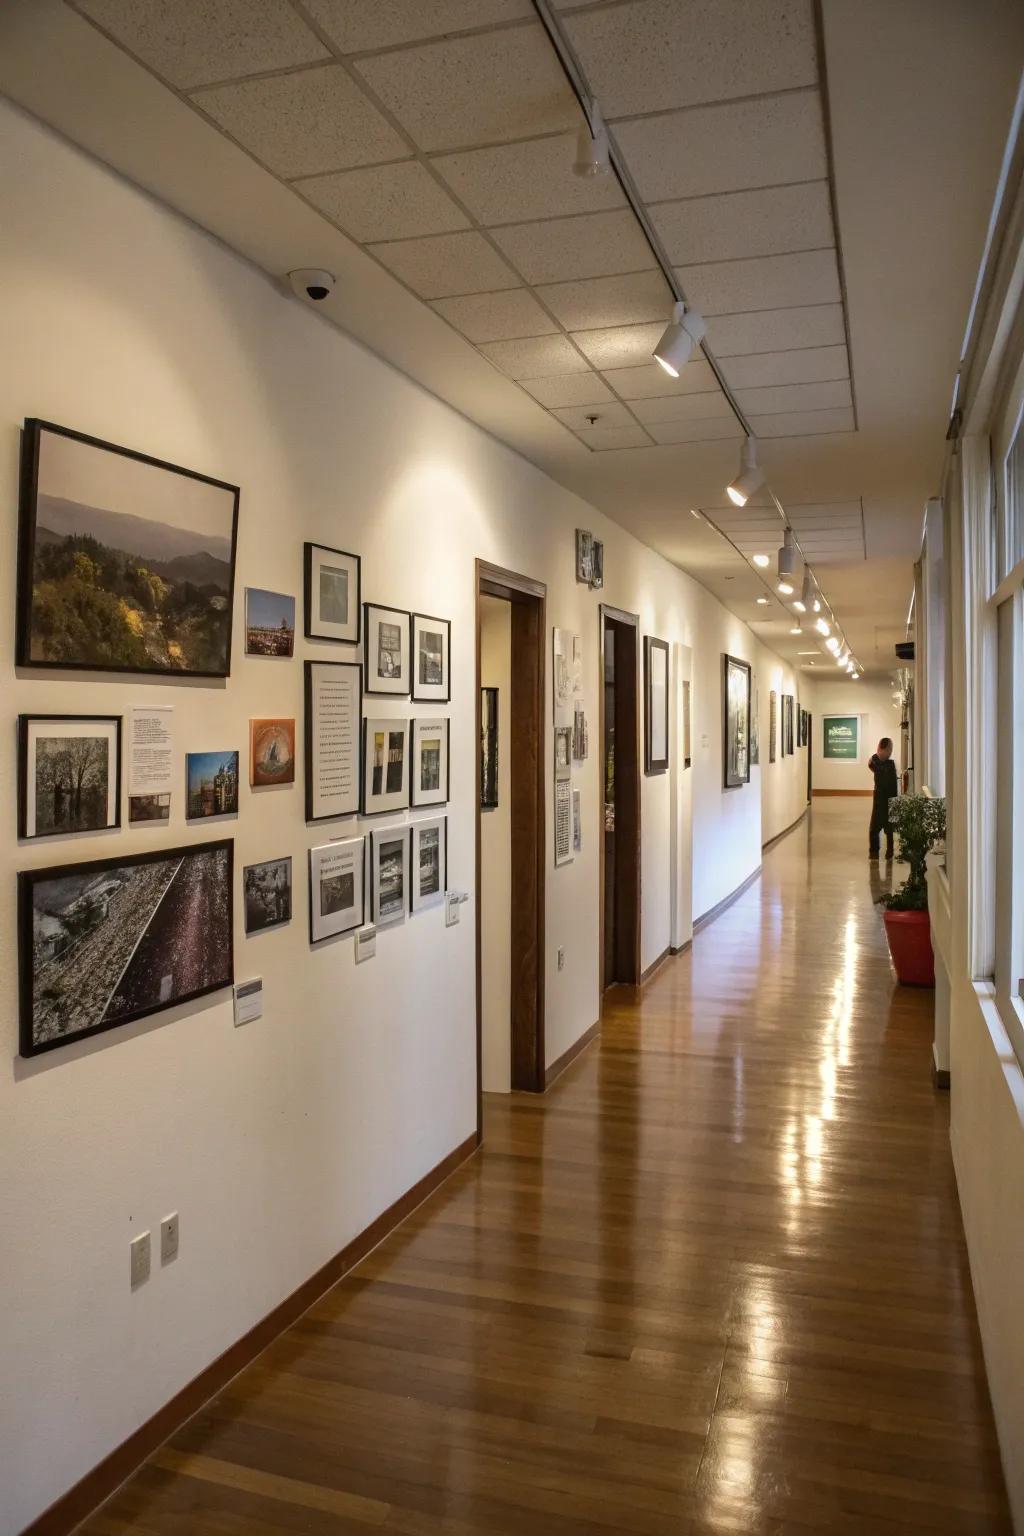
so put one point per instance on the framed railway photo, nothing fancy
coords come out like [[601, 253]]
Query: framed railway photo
[[112, 940]]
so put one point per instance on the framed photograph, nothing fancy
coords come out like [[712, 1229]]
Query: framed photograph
[[584, 557], [563, 821], [755, 724], [598, 578], [125, 563], [271, 752], [112, 940], [772, 724], [334, 694], [152, 808], [389, 859], [429, 863], [577, 822], [736, 718], [337, 888], [488, 749], [787, 725], [564, 655], [563, 748], [655, 705], [269, 623], [386, 660], [211, 784], [385, 766], [431, 645], [267, 890], [331, 580], [69, 774], [430, 773], [686, 723]]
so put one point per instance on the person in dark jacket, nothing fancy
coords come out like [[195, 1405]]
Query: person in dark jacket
[[887, 787]]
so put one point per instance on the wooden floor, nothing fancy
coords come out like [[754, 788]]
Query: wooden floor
[[715, 1281]]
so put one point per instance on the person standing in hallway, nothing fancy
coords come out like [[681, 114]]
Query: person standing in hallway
[[887, 787]]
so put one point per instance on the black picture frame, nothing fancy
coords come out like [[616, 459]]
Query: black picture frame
[[370, 673], [416, 829], [32, 435], [253, 927], [773, 725], [420, 693], [414, 802], [653, 648], [365, 799], [24, 722], [378, 837], [308, 722], [732, 778], [30, 879], [489, 747], [356, 608], [353, 927]]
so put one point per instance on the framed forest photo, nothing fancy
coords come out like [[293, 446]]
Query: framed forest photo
[[125, 563], [736, 718], [69, 774], [655, 705], [331, 592]]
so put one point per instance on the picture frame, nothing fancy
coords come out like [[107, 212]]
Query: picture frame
[[211, 784], [332, 693], [584, 557], [755, 723], [736, 678], [386, 658], [331, 593], [271, 752], [656, 698], [112, 940], [269, 623], [430, 762], [390, 869], [597, 581], [772, 724], [386, 766], [267, 894], [686, 723], [83, 499], [787, 715], [428, 870], [337, 888], [69, 779], [431, 659], [489, 745]]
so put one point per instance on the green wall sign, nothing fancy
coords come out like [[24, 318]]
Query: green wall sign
[[841, 736]]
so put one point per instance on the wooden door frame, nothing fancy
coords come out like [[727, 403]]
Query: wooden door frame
[[632, 620], [528, 599]]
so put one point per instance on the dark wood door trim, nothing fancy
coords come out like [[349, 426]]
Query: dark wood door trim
[[632, 621]]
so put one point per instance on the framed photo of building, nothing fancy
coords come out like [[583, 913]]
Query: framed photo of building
[[125, 563], [787, 724], [385, 766], [112, 940], [431, 646], [331, 596], [655, 705], [269, 623], [429, 873], [267, 894], [69, 774], [488, 749], [387, 664], [584, 557], [337, 888], [736, 721], [430, 773], [211, 784], [271, 753], [333, 692], [772, 724], [389, 862]]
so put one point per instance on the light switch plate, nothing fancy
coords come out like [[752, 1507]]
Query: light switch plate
[[169, 1238], [451, 909], [139, 1250]]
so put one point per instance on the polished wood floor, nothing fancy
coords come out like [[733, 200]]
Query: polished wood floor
[[715, 1281]]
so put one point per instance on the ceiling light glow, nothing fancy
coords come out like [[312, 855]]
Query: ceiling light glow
[[684, 332], [762, 560], [750, 477], [822, 627], [786, 588]]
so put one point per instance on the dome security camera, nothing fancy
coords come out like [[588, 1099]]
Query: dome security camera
[[311, 283]]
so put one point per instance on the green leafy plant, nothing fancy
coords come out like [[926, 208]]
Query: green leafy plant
[[919, 822]]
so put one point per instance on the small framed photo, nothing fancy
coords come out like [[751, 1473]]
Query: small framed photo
[[337, 888], [267, 889], [389, 859], [597, 581], [211, 784], [563, 748], [331, 594], [431, 643], [385, 766], [69, 774], [271, 752], [655, 705], [429, 863], [488, 749], [430, 771], [333, 747], [386, 660], [584, 557], [269, 623], [149, 808]]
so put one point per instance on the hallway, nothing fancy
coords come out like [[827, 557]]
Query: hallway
[[714, 1282]]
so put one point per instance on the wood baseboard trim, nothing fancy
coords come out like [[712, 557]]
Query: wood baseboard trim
[[568, 1057], [655, 966], [708, 917], [785, 831], [858, 793], [97, 1486], [680, 949]]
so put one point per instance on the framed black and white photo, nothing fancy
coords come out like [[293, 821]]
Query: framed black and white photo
[[337, 888], [429, 870], [488, 749], [772, 724], [430, 774], [597, 580], [755, 724], [389, 862], [333, 746], [69, 774], [125, 563], [267, 894], [331, 599], [385, 766], [112, 940], [584, 557], [387, 665], [655, 705], [431, 644], [736, 721]]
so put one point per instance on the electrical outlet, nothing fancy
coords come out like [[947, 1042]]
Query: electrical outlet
[[139, 1259], [169, 1238], [561, 958]]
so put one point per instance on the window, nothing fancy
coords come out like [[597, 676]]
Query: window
[[1008, 466]]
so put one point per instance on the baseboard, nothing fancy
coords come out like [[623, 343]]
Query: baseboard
[[722, 906], [785, 831], [656, 965], [859, 793], [97, 1486], [568, 1057], [940, 1075], [680, 949]]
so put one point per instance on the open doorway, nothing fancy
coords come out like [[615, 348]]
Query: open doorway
[[620, 766], [810, 757], [510, 629]]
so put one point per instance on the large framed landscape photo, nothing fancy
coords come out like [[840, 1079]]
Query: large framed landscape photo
[[125, 563], [69, 774], [112, 940]]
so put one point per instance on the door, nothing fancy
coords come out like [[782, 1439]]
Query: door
[[620, 766]]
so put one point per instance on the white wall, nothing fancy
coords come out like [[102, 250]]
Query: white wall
[[496, 859], [879, 716], [279, 1142]]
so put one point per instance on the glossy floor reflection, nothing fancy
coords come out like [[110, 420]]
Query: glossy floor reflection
[[714, 1282]]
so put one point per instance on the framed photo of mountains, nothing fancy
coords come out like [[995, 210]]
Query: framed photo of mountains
[[125, 563]]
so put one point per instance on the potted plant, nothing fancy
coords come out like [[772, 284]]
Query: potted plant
[[919, 821]]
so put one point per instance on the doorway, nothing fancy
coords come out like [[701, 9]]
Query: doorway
[[810, 756], [620, 771]]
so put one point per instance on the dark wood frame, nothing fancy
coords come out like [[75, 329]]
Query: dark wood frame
[[430, 698], [279, 922], [29, 489], [307, 591], [629, 872], [651, 763], [489, 805], [327, 937], [418, 720], [386, 693], [377, 834], [28, 878], [727, 662], [364, 777], [414, 830], [307, 727], [24, 721]]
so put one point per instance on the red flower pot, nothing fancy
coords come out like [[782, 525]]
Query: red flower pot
[[910, 944]]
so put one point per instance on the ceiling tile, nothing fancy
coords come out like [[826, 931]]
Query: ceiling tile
[[591, 245], [776, 330], [535, 357], [649, 380], [384, 202], [441, 265], [604, 439], [569, 389], [726, 148], [605, 301], [622, 347], [301, 124], [486, 88], [703, 431], [646, 57], [795, 397], [702, 407], [766, 222], [763, 282], [806, 366], [802, 423], [531, 180], [496, 316], [355, 25], [194, 43], [610, 415]]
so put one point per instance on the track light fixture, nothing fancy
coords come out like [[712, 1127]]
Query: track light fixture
[[762, 560], [832, 644], [807, 590], [799, 605], [592, 145], [823, 628], [750, 477], [684, 332], [854, 677]]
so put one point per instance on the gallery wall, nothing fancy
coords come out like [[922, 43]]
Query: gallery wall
[[872, 702], [280, 1140]]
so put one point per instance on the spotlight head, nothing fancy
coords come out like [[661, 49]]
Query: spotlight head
[[762, 560], [749, 479], [762, 602], [807, 590], [796, 630], [854, 677], [787, 555], [592, 146], [684, 332]]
